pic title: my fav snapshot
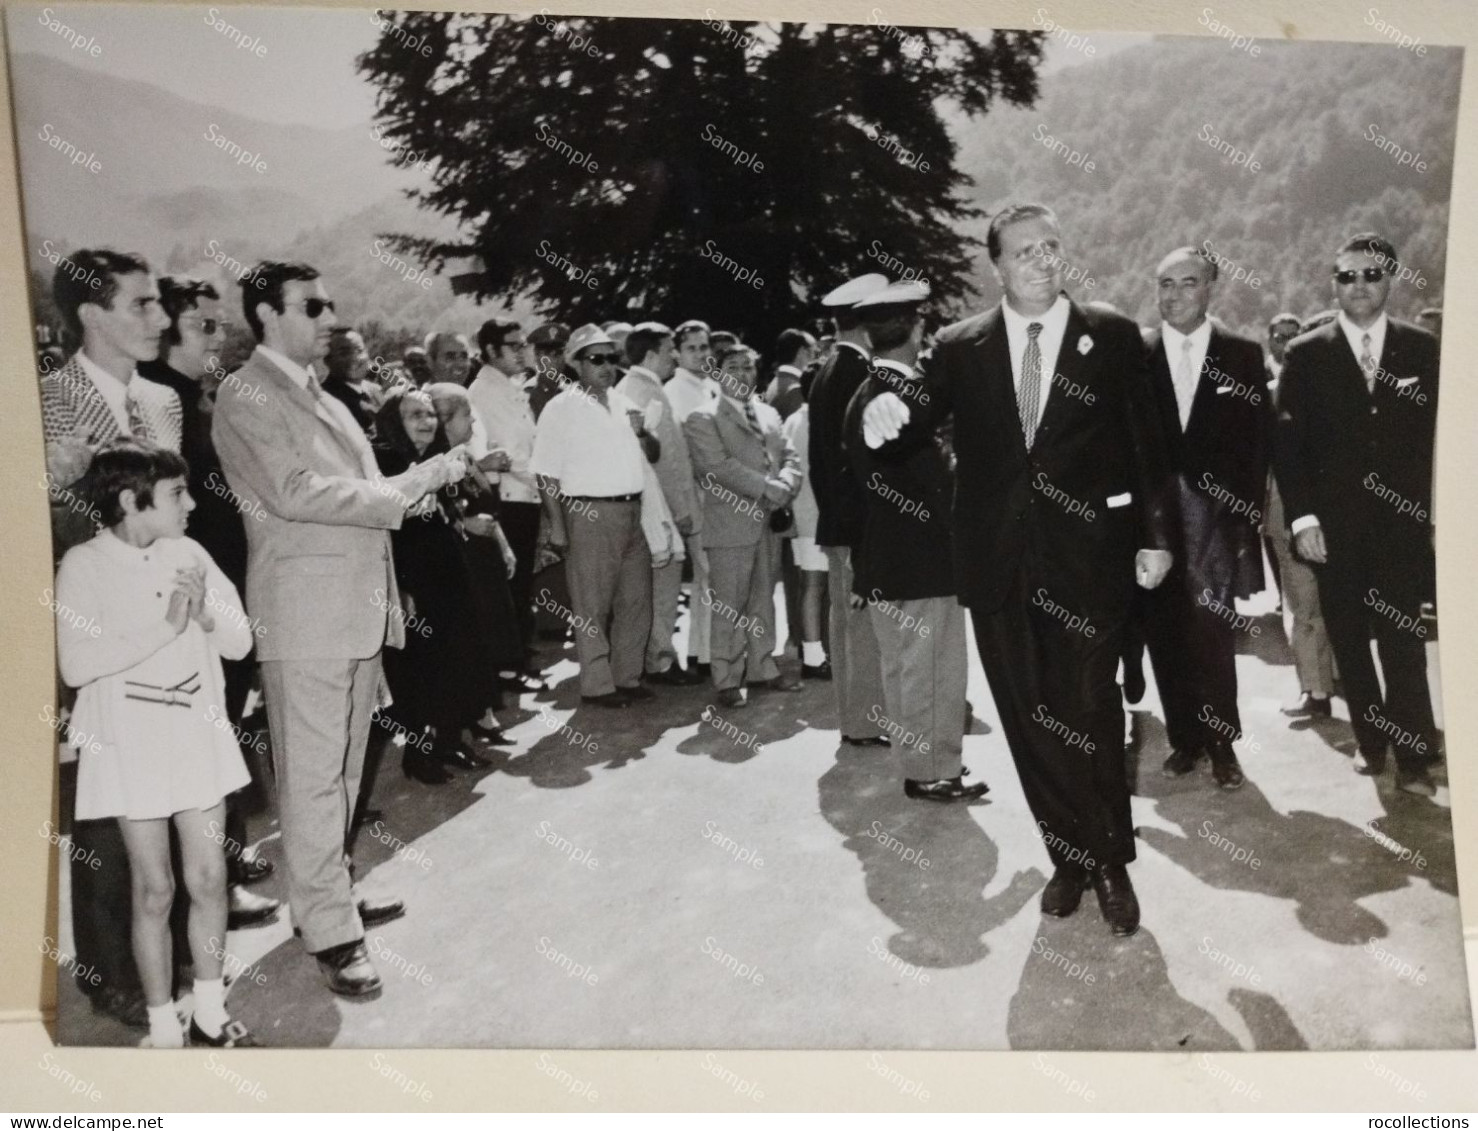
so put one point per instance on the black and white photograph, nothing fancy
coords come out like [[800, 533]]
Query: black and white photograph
[[591, 532]]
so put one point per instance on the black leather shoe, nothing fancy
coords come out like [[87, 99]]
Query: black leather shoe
[[493, 736], [126, 1006], [348, 970], [234, 1035], [638, 693], [422, 767], [816, 671], [1180, 763], [613, 699], [1225, 767], [875, 740], [247, 869], [1306, 706], [1116, 899], [672, 677], [1134, 682], [461, 757], [523, 682], [691, 676], [946, 789], [372, 913], [1417, 781], [1064, 891], [733, 697], [1370, 762], [245, 909]]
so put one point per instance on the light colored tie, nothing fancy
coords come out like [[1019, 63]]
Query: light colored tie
[[138, 422], [1029, 396], [751, 416], [1185, 384], [1367, 363]]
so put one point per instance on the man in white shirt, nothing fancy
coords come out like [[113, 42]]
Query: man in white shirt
[[653, 356], [588, 452], [499, 401]]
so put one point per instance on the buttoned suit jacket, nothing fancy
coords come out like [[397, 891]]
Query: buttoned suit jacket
[[320, 578], [674, 468], [731, 459], [841, 509], [1098, 439], [1220, 463]]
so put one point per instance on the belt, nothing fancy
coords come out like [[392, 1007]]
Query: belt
[[605, 498], [176, 696]]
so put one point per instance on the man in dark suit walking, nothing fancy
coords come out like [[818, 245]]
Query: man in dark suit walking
[[1357, 417], [1062, 503], [1210, 393]]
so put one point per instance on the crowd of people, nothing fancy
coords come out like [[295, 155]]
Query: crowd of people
[[372, 548]]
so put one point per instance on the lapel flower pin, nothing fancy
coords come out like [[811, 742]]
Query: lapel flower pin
[[1085, 343]]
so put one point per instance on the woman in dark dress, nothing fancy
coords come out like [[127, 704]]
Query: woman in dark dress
[[440, 680]]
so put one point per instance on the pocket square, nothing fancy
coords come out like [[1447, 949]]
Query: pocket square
[[1222, 390], [1115, 501], [1402, 382]]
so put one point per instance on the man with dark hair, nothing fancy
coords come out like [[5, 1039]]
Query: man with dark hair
[[904, 568], [1209, 390], [856, 665], [109, 303], [1357, 417], [347, 378], [417, 367], [653, 356], [321, 585], [1063, 502], [690, 388], [550, 375], [794, 350], [1313, 659], [746, 470]]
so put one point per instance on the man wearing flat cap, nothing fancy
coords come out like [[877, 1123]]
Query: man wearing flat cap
[[857, 674], [588, 453]]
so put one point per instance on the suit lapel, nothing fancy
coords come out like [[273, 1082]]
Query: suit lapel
[[998, 382], [91, 411], [1067, 371], [317, 406], [1203, 404]]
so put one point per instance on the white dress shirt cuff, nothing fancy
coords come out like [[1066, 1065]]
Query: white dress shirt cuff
[[1304, 523]]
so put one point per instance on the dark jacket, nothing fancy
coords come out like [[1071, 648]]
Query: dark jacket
[[839, 504]]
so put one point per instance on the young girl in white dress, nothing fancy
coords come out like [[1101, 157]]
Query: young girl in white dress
[[143, 618]]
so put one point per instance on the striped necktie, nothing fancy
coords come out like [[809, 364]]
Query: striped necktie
[[1029, 396], [1367, 364]]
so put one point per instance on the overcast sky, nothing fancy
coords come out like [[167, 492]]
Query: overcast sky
[[306, 74]]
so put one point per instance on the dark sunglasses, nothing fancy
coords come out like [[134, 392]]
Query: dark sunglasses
[[603, 358], [313, 307], [1371, 274]]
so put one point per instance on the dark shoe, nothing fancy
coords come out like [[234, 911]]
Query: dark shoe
[[493, 736], [234, 1035], [523, 682], [460, 757], [1180, 763], [1064, 891], [691, 676], [1417, 781], [348, 970], [1307, 706], [733, 697], [819, 671], [1116, 899], [1370, 762], [875, 740], [946, 789], [247, 869], [672, 677], [245, 909], [779, 683], [1225, 768], [1134, 682], [421, 767], [374, 913], [612, 699], [126, 1006], [638, 693], [705, 671]]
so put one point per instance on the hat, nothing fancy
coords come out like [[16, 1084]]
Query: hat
[[908, 292], [652, 328], [588, 335], [617, 327], [549, 334], [854, 291]]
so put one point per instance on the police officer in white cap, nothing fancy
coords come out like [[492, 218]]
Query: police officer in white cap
[[856, 668]]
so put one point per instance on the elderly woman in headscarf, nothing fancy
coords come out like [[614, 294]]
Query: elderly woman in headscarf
[[440, 679]]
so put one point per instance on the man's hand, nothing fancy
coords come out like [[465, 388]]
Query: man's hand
[[68, 459], [883, 419], [685, 525], [1151, 566], [777, 492], [1309, 544], [482, 525], [496, 460]]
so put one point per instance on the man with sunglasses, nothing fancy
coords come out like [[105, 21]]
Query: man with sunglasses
[[1357, 416], [1313, 660], [321, 585], [588, 453]]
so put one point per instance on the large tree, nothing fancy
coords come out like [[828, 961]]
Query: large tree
[[732, 171]]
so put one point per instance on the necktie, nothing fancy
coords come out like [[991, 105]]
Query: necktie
[[1367, 363], [138, 424], [1185, 383], [1029, 396], [751, 416]]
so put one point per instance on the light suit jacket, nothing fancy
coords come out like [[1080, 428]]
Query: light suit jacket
[[732, 463], [319, 573]]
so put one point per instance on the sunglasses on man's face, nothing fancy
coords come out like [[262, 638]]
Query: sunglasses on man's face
[[313, 307], [603, 358], [1370, 274]]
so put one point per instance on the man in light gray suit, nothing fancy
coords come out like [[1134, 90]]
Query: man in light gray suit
[[746, 470], [321, 584]]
